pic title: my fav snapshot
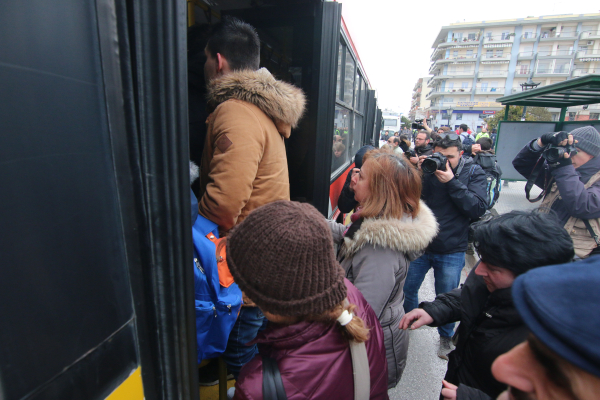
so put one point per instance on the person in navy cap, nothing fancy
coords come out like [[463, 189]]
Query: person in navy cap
[[561, 357]]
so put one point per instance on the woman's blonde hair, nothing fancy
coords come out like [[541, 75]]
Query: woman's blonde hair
[[394, 186], [355, 330]]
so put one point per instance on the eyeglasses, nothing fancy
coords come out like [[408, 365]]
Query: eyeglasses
[[450, 136]]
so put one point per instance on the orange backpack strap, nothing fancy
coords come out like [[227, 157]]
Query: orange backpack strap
[[225, 277]]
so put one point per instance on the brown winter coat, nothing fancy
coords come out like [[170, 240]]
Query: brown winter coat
[[244, 164], [376, 259]]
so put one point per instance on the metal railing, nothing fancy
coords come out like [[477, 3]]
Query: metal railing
[[550, 53], [461, 57], [495, 56], [525, 71], [529, 35], [489, 90], [461, 40], [583, 72], [587, 53], [496, 38], [526, 54], [493, 73], [554, 35], [587, 34], [456, 73], [555, 70]]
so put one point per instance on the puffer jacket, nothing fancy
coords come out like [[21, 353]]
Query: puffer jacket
[[314, 358], [244, 163], [376, 253], [489, 326]]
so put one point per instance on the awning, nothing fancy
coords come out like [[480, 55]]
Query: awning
[[495, 62], [573, 92], [488, 46], [590, 59]]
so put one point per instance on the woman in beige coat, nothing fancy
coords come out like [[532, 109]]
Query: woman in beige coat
[[390, 228]]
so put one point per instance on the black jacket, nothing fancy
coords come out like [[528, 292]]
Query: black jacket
[[489, 326], [424, 150], [455, 204], [346, 202]]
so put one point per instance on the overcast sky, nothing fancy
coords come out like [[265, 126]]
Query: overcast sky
[[394, 37]]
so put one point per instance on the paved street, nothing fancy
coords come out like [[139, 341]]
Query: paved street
[[422, 379]]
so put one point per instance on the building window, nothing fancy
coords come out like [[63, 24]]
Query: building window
[[469, 53], [572, 116], [594, 115], [489, 53], [465, 85], [499, 52], [505, 35], [472, 36], [458, 116], [455, 53]]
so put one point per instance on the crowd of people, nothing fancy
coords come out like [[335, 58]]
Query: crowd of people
[[327, 307]]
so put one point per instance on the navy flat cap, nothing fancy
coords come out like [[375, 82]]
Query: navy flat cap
[[560, 305]]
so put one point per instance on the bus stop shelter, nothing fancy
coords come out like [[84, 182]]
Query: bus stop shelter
[[513, 135]]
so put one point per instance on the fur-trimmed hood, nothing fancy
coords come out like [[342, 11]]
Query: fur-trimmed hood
[[406, 235], [280, 101]]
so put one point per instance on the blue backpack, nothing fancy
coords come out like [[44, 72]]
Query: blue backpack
[[218, 301]]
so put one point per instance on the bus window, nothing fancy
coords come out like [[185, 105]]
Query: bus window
[[349, 79], [338, 86], [342, 138]]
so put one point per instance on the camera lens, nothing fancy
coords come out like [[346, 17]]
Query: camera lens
[[554, 154], [430, 165]]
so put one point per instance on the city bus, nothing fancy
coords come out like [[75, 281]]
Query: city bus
[[96, 236]]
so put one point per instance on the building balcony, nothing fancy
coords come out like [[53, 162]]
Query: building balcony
[[584, 72], [525, 55], [503, 56], [486, 90], [522, 72], [555, 54], [558, 36], [528, 37], [459, 42], [556, 71], [594, 34], [508, 38], [588, 54], [458, 74], [493, 74]]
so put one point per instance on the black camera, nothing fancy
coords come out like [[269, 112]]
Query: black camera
[[435, 162], [418, 124], [554, 154], [410, 153]]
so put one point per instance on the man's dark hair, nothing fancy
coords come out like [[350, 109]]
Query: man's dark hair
[[463, 127], [485, 142], [396, 140], [445, 142], [237, 41], [427, 135], [522, 240]]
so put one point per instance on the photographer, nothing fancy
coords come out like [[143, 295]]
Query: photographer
[[422, 146], [456, 192], [570, 183]]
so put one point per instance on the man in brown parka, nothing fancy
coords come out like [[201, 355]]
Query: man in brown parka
[[244, 163]]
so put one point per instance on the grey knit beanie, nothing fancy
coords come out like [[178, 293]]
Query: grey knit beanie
[[282, 257], [588, 140]]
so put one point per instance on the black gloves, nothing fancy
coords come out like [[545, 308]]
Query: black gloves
[[554, 138], [563, 162]]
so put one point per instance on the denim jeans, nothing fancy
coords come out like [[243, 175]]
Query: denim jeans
[[446, 271], [250, 321]]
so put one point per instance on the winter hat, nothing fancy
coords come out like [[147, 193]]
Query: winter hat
[[282, 257], [358, 159], [559, 304], [588, 140]]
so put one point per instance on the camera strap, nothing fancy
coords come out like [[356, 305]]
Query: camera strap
[[591, 231], [537, 168]]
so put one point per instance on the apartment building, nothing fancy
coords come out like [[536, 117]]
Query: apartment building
[[419, 105], [474, 63]]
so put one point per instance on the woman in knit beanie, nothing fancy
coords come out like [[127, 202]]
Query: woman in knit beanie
[[390, 228], [282, 257]]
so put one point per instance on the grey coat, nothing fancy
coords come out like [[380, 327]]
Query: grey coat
[[376, 253]]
